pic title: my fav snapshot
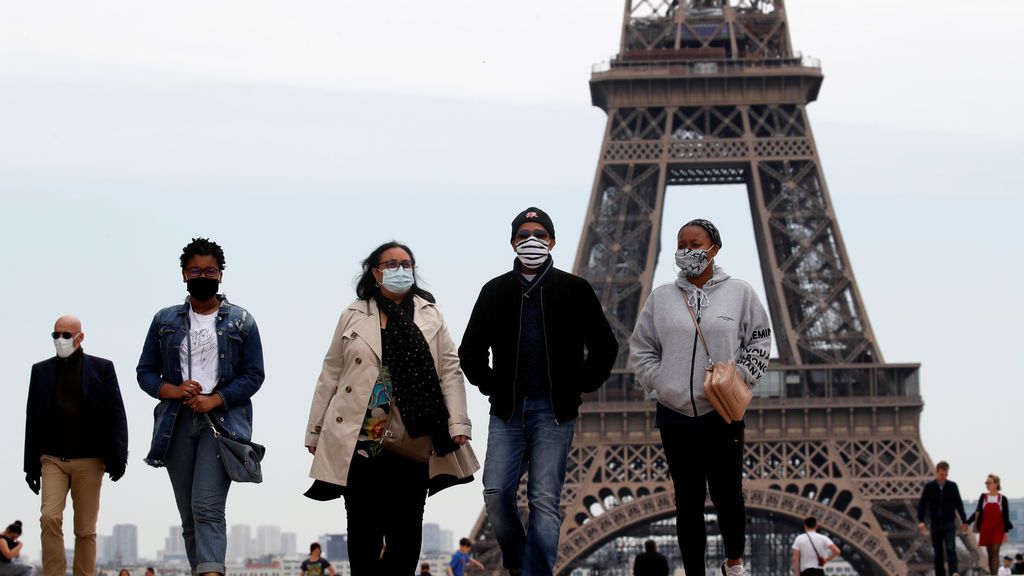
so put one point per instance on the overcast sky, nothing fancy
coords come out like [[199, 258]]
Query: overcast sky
[[302, 135]]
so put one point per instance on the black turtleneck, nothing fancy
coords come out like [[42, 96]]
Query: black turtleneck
[[67, 434]]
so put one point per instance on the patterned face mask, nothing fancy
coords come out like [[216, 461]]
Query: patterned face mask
[[692, 262], [532, 252]]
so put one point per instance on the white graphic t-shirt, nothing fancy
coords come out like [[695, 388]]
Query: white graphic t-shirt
[[205, 361]]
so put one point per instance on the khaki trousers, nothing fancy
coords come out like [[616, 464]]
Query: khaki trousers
[[82, 477]]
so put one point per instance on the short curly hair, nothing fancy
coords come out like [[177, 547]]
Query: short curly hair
[[202, 247]]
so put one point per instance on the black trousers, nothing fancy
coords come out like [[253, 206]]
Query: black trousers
[[384, 500], [944, 540], [703, 454]]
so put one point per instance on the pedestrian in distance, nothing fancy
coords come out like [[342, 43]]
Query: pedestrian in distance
[[391, 356], [150, 571], [537, 340], [991, 521], [202, 361], [812, 551], [1007, 568], [424, 569], [461, 559], [650, 562], [1018, 564], [669, 356], [75, 430], [315, 565], [124, 572], [10, 550], [940, 504]]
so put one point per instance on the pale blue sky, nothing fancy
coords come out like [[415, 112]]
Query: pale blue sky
[[301, 137]]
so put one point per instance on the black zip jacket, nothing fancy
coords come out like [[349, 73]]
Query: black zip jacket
[[941, 504], [580, 345]]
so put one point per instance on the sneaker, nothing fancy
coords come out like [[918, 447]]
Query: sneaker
[[733, 570]]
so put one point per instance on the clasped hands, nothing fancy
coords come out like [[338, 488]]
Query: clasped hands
[[191, 394]]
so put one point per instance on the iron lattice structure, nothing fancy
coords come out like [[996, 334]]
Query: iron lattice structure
[[711, 92]]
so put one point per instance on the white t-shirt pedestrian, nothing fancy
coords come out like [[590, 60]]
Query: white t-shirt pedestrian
[[812, 546], [205, 360], [1004, 570]]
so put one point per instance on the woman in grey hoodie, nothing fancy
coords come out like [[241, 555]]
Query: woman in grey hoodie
[[701, 448]]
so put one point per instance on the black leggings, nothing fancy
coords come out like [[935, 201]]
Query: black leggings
[[384, 500], [703, 454]]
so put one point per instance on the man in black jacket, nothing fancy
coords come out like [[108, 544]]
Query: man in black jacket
[[551, 343], [650, 562], [941, 500], [75, 430]]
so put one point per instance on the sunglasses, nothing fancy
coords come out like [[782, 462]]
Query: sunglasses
[[64, 335], [538, 233]]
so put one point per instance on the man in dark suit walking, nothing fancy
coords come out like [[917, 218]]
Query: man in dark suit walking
[[650, 562], [75, 430]]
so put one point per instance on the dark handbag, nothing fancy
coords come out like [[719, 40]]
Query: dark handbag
[[396, 439], [241, 460], [724, 387]]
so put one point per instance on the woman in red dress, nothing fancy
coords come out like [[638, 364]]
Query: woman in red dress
[[992, 521]]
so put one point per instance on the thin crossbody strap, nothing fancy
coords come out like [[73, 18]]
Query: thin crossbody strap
[[813, 547], [697, 324]]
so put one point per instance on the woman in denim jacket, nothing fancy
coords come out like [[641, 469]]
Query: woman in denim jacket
[[202, 359]]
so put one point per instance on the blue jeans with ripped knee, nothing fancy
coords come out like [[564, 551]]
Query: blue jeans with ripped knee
[[531, 441]]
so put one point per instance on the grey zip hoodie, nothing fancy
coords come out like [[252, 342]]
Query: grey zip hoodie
[[669, 359]]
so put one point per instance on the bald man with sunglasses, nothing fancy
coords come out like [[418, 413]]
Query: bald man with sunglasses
[[75, 431]]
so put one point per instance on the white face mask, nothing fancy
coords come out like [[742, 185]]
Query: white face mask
[[532, 252], [65, 346], [692, 262]]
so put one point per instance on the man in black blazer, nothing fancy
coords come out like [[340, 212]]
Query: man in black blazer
[[75, 430]]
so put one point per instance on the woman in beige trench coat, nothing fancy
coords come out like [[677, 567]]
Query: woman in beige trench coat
[[391, 346]]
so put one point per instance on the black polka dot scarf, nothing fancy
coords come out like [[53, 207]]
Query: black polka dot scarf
[[417, 389]]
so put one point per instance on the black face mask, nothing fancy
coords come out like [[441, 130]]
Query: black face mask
[[202, 289]]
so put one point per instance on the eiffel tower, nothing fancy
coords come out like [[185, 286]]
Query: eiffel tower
[[711, 92]]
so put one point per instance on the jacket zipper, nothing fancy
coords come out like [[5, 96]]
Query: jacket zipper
[[547, 357], [519, 339]]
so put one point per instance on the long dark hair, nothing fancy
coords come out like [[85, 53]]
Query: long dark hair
[[366, 284], [15, 528]]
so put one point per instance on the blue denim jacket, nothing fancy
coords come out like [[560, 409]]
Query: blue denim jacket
[[241, 371]]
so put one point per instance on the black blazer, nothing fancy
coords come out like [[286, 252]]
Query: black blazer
[[104, 412]]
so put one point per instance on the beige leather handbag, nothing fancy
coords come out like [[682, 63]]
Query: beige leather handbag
[[724, 387]]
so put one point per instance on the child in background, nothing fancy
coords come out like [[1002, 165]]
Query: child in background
[[457, 567]]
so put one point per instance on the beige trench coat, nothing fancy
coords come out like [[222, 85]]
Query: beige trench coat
[[349, 372]]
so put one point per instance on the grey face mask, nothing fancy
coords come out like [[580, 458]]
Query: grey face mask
[[692, 262]]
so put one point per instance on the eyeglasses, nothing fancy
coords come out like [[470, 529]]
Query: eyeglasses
[[210, 272], [536, 233], [396, 264], [64, 335]]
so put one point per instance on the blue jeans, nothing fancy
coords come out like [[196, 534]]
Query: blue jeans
[[200, 490], [533, 442]]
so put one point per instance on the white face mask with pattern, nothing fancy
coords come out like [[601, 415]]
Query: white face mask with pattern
[[692, 261], [532, 252]]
